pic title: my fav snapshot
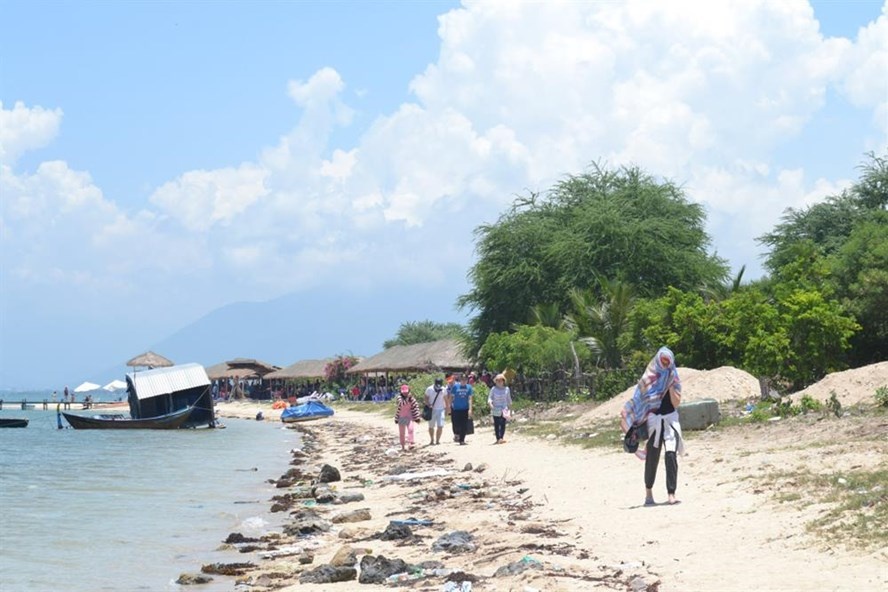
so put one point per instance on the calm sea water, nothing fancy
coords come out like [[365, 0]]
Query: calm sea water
[[87, 510]]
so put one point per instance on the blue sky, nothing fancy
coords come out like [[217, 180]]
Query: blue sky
[[159, 160]]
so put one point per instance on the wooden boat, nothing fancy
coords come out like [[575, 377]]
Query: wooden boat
[[162, 391], [116, 421], [12, 422], [308, 411]]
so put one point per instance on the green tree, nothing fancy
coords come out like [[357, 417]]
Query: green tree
[[860, 271], [411, 333], [532, 350], [604, 223], [845, 235], [602, 322]]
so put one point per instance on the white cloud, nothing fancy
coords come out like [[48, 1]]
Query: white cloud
[[522, 94], [866, 81], [200, 199], [23, 129]]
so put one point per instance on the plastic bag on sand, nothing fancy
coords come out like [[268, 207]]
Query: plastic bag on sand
[[458, 587]]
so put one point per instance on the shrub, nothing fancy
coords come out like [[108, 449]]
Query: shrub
[[881, 396]]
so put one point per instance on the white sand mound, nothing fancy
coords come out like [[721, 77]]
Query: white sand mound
[[730, 384], [722, 384], [851, 386]]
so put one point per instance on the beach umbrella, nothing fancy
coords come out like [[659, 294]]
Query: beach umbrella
[[150, 359], [115, 385], [87, 387]]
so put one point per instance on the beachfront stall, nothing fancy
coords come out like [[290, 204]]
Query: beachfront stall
[[444, 356]]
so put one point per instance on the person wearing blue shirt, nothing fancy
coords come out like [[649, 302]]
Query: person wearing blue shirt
[[460, 403]]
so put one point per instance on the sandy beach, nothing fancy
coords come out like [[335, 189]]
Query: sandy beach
[[544, 513]]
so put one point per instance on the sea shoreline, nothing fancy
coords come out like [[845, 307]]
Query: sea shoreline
[[547, 515], [449, 500]]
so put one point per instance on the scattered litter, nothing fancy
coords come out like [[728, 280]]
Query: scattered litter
[[412, 522], [419, 475], [457, 587]]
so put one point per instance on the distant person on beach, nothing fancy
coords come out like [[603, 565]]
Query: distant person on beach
[[436, 398], [655, 406], [460, 403], [406, 414], [500, 401]]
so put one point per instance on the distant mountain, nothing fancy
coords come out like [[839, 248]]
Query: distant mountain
[[309, 325]]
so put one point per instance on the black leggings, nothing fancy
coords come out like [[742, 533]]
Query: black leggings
[[653, 459], [499, 427]]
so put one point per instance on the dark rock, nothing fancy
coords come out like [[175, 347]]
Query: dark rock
[[461, 576], [328, 574], [280, 507], [376, 568], [306, 522], [458, 541], [236, 537], [329, 474], [394, 532], [323, 494], [517, 567], [189, 579], [227, 569]]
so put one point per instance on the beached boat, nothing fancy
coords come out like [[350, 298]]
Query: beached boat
[[161, 391], [308, 411], [159, 399], [12, 422], [117, 421]]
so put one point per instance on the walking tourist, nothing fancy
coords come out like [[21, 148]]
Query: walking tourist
[[406, 414], [500, 401], [654, 405]]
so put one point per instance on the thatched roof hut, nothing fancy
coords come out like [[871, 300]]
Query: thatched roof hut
[[240, 368], [301, 369], [435, 356], [151, 360]]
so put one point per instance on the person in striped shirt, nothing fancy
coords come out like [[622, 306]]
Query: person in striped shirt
[[500, 401]]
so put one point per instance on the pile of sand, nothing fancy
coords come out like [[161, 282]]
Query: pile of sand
[[730, 384], [722, 384], [851, 386]]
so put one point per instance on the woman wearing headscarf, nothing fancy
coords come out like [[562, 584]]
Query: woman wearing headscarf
[[654, 405]]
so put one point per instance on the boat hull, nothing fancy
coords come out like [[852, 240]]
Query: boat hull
[[170, 421], [13, 423]]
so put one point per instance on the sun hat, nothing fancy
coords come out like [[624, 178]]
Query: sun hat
[[405, 388]]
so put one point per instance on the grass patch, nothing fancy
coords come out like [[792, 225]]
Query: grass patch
[[603, 435], [857, 500]]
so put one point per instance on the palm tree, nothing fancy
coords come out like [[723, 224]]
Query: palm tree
[[602, 323]]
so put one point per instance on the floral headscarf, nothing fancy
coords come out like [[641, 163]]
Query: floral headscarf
[[651, 388]]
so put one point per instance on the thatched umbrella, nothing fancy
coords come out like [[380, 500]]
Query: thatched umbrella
[[150, 359]]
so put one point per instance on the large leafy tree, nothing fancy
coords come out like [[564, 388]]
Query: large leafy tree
[[604, 223], [411, 333], [848, 235], [532, 350]]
